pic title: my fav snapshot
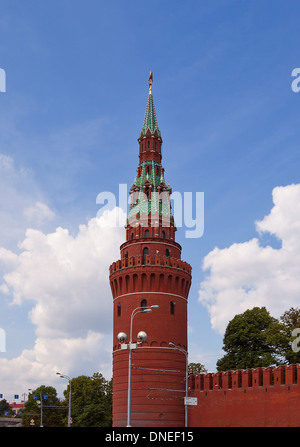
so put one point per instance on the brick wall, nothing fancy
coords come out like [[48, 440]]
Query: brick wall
[[261, 397]]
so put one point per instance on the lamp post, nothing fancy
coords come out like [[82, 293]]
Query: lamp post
[[41, 422], [130, 346], [186, 379], [63, 376]]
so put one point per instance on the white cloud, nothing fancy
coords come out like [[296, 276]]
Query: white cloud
[[67, 279], [38, 213], [38, 366], [249, 274]]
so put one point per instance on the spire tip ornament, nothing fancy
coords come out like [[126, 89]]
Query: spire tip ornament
[[150, 80]]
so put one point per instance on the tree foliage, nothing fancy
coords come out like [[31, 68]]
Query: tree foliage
[[91, 401], [246, 341], [289, 321], [91, 404], [43, 403], [5, 408], [255, 338], [196, 368]]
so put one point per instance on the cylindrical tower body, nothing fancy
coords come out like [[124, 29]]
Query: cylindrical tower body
[[150, 273]]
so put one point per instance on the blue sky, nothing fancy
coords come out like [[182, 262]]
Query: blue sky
[[76, 92]]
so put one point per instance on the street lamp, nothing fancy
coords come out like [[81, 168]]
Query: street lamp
[[63, 376], [186, 379], [41, 422], [142, 336]]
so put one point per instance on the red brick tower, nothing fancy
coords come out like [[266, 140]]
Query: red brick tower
[[149, 273]]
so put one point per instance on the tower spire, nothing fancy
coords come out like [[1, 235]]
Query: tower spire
[[150, 120]]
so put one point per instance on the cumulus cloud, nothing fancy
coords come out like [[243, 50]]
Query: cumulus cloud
[[39, 213], [249, 274], [65, 277], [37, 366]]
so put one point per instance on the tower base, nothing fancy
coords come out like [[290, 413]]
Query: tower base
[[158, 387]]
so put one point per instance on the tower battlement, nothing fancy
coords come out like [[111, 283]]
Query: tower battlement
[[159, 274], [149, 261]]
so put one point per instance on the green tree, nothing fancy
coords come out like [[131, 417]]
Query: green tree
[[250, 341], [289, 321], [5, 408], [196, 368], [52, 411], [91, 401]]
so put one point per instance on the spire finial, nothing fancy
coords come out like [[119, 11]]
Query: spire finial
[[150, 80]]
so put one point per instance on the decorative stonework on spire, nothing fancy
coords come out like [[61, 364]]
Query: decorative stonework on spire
[[150, 120]]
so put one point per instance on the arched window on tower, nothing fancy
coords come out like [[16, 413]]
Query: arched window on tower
[[119, 309], [167, 252], [146, 233], [163, 234], [172, 308], [145, 253]]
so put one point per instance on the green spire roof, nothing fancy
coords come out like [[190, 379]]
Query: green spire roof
[[150, 120]]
